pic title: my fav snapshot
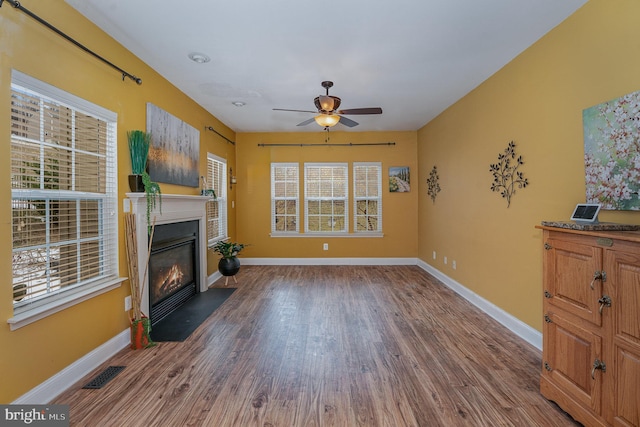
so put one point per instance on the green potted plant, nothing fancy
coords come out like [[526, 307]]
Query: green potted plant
[[229, 264], [139, 143]]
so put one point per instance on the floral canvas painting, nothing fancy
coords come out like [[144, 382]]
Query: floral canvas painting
[[612, 153]]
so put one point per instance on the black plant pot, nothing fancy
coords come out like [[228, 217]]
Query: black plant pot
[[135, 184], [229, 266]]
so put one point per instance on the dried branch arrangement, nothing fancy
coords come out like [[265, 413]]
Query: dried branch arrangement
[[132, 262]]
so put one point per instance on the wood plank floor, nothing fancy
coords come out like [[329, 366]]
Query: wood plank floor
[[328, 346]]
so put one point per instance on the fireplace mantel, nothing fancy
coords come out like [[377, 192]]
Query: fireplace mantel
[[175, 208]]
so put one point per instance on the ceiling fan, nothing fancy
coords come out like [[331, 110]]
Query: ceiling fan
[[328, 113]]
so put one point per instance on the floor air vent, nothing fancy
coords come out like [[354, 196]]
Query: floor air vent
[[104, 377]]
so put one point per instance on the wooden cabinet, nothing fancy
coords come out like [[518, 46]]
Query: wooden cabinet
[[591, 329]]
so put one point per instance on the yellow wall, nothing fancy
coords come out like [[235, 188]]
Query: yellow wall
[[254, 193], [34, 353], [536, 101]]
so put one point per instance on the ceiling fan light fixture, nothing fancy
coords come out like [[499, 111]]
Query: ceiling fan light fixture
[[327, 103], [327, 120]]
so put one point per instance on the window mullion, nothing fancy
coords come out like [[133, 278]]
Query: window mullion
[[78, 241], [42, 138], [73, 150], [48, 242]]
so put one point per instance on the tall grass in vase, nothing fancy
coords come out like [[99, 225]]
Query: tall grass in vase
[[139, 144]]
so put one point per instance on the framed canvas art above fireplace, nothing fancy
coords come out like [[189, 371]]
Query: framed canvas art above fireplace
[[175, 149]]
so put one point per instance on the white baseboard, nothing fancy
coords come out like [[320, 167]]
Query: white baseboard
[[51, 388], [54, 386], [328, 261], [515, 325], [211, 279]]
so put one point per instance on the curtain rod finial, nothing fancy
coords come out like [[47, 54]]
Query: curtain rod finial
[[138, 80]]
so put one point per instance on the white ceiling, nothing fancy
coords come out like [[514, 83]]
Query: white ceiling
[[412, 58]]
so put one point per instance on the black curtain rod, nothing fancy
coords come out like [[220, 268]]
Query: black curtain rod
[[17, 5], [219, 134], [351, 144]]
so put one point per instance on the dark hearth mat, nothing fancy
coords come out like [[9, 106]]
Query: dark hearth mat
[[178, 325]]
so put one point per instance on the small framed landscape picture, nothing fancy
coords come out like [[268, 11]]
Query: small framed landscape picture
[[399, 179]]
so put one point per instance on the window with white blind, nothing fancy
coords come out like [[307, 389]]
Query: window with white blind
[[285, 204], [367, 197], [217, 209], [326, 197], [63, 199]]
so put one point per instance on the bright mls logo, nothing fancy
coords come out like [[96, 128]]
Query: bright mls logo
[[34, 415]]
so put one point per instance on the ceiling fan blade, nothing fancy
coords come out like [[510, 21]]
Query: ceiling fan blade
[[371, 110], [306, 122], [348, 122], [299, 111]]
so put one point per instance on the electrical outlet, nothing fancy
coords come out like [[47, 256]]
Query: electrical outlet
[[127, 303], [453, 264], [445, 260], [325, 246], [434, 254]]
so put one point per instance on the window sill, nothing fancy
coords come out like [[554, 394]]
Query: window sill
[[35, 314], [325, 235], [213, 242]]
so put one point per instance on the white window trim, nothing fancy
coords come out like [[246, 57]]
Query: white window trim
[[221, 199], [273, 201], [379, 198], [47, 309], [61, 96], [346, 200], [303, 235], [76, 295], [361, 235]]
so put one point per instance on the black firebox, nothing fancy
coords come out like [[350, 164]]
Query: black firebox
[[173, 268]]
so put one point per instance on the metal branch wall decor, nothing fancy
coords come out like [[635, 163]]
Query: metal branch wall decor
[[433, 187], [506, 176]]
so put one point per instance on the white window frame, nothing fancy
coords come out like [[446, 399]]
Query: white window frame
[[312, 196], [56, 298], [280, 194], [370, 193], [217, 182]]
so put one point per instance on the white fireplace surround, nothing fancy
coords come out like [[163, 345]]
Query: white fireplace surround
[[175, 208]]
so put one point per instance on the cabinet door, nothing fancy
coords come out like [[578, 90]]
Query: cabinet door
[[569, 352], [624, 285], [569, 277]]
